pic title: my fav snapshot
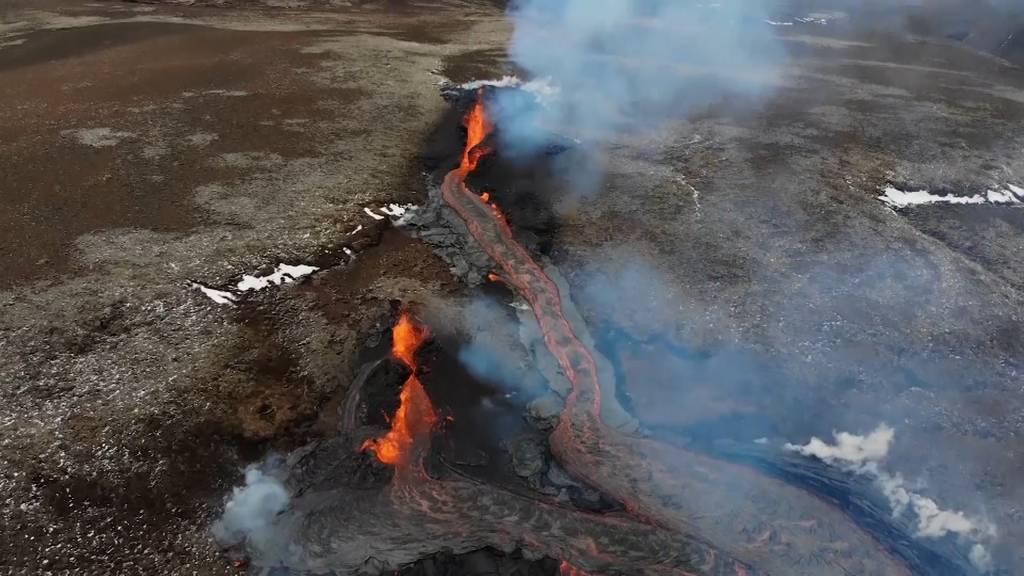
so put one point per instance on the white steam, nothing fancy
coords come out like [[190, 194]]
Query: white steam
[[864, 454], [850, 448], [634, 63], [250, 512]]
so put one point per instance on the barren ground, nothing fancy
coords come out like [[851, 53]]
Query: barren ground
[[146, 146]]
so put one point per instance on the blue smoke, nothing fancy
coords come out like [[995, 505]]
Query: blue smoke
[[633, 64]]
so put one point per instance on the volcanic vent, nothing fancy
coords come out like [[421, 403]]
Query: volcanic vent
[[572, 485]]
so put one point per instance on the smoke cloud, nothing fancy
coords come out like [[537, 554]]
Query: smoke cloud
[[251, 509], [850, 448], [632, 63], [486, 355], [863, 455]]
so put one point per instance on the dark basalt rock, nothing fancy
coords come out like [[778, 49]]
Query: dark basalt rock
[[485, 562]]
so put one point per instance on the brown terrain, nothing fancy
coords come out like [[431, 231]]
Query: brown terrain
[[736, 265], [145, 146]]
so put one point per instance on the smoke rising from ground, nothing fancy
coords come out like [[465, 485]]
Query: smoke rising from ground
[[864, 454], [850, 448], [486, 355], [633, 63], [251, 509]]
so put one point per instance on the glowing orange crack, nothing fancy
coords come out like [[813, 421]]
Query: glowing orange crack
[[415, 416]]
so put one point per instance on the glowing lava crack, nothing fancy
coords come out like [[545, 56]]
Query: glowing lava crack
[[757, 520], [415, 415]]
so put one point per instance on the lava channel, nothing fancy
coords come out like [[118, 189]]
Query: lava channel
[[676, 489]]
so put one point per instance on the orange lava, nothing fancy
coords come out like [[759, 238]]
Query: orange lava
[[521, 270], [567, 569], [415, 415], [478, 126]]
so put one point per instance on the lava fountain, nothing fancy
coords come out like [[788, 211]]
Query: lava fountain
[[415, 416]]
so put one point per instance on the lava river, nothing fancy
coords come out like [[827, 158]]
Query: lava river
[[755, 520]]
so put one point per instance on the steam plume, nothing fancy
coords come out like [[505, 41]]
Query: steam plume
[[850, 448], [251, 509], [633, 63], [863, 455]]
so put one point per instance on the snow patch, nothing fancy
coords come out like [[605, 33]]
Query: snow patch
[[896, 198], [372, 214], [218, 296], [396, 210], [283, 274]]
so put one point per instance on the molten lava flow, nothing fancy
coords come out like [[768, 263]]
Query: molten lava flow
[[491, 230], [567, 569], [415, 415], [478, 126], [646, 476]]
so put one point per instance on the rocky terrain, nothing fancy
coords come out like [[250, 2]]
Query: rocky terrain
[[738, 265], [146, 147]]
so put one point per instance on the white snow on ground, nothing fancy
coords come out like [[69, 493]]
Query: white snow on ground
[[283, 274], [397, 210], [218, 296], [774, 23], [863, 455], [288, 273], [896, 198]]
